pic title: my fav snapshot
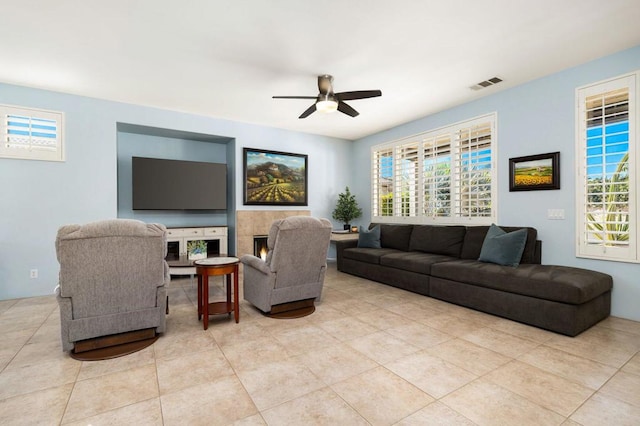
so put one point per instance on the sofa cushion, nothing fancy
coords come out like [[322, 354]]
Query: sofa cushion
[[369, 238], [446, 240], [395, 236], [503, 248], [558, 283], [413, 261], [474, 238], [367, 255]]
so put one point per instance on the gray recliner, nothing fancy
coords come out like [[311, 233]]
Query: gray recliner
[[295, 266], [112, 279]]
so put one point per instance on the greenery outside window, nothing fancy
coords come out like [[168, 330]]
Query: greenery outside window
[[443, 176], [607, 181]]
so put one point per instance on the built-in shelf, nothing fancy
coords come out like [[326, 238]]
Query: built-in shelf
[[178, 239]]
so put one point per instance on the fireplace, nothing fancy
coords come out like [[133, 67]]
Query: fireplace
[[260, 246], [258, 222]]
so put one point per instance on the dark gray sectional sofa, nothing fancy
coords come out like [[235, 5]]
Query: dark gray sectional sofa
[[441, 262]]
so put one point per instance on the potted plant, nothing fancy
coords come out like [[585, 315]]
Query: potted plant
[[346, 208], [197, 249]]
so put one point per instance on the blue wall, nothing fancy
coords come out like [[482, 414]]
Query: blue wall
[[533, 118], [37, 197]]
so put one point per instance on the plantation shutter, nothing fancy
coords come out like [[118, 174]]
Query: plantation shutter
[[406, 180], [31, 134], [607, 213], [437, 175], [444, 176], [382, 183], [472, 163]]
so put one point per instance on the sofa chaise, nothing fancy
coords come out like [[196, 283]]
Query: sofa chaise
[[442, 262]]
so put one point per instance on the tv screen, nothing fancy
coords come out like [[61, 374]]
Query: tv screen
[[178, 185]]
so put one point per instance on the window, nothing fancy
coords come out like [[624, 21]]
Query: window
[[443, 176], [606, 172], [31, 134]]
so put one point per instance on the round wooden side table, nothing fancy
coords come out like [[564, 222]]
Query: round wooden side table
[[223, 265]]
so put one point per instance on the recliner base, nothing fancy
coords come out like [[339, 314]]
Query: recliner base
[[113, 346], [289, 310]]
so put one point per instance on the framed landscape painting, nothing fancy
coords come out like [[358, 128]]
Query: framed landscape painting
[[274, 178], [535, 172]]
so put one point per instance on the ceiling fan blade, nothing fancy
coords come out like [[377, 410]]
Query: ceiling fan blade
[[358, 94], [344, 108], [309, 111], [294, 97]]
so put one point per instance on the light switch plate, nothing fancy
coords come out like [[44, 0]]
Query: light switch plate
[[555, 214]]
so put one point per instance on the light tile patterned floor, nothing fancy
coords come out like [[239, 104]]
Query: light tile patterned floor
[[370, 354]]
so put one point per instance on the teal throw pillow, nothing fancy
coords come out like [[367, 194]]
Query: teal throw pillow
[[503, 248], [370, 238]]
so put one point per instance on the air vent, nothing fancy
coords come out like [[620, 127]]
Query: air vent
[[486, 83]]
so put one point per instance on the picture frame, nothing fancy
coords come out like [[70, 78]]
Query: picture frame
[[274, 178], [535, 172]]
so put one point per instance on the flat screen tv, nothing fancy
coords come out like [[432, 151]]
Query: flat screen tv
[[160, 184]]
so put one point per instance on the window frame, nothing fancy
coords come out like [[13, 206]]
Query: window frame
[[588, 248], [442, 133], [32, 150]]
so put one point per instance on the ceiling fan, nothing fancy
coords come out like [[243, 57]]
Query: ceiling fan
[[327, 101]]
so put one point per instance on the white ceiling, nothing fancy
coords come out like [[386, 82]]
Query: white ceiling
[[226, 59]]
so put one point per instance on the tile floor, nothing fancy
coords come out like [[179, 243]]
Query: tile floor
[[370, 355]]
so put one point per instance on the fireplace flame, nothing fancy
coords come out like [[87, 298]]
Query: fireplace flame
[[263, 253]]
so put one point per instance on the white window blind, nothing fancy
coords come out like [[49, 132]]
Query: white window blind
[[437, 175], [607, 153], [406, 180], [473, 167], [446, 175], [382, 172], [31, 134]]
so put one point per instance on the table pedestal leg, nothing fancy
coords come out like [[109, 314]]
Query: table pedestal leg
[[205, 301], [236, 304], [228, 277], [199, 297]]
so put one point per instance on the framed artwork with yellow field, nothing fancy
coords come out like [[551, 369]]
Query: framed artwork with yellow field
[[274, 178], [535, 172]]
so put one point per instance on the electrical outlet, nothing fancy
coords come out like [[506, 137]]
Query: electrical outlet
[[33, 273]]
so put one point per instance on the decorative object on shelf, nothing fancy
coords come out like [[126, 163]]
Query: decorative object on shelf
[[197, 249], [354, 229], [535, 172], [346, 209], [274, 178]]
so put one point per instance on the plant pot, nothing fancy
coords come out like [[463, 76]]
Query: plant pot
[[347, 227], [197, 256]]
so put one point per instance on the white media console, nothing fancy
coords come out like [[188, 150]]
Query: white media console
[[178, 238]]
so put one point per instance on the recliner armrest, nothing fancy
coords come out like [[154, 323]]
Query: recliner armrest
[[256, 263]]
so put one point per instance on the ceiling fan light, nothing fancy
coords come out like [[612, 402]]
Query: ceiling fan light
[[327, 106]]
